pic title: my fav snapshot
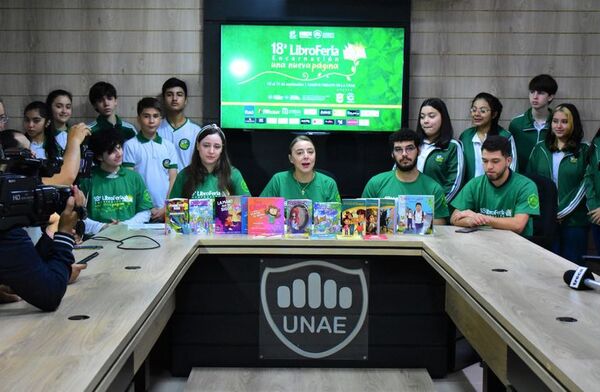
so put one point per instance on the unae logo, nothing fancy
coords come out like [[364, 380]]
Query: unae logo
[[166, 163], [315, 308]]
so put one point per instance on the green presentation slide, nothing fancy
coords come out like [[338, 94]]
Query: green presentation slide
[[311, 78]]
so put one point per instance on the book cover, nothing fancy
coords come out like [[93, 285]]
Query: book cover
[[387, 215], [266, 215], [415, 214], [353, 218], [228, 215], [244, 200], [372, 217], [298, 217], [201, 216], [176, 216], [326, 219]]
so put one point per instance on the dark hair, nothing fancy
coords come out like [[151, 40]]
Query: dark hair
[[50, 146], [545, 83], [446, 130], [8, 139], [100, 90], [174, 82], [148, 103], [55, 94], [105, 140], [404, 135], [497, 143], [301, 138], [496, 107], [572, 145], [196, 172]]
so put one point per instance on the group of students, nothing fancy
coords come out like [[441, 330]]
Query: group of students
[[171, 157]]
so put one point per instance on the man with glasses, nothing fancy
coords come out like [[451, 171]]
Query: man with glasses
[[405, 178], [3, 116]]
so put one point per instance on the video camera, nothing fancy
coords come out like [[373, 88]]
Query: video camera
[[24, 200]]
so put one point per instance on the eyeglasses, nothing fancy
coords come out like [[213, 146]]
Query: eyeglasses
[[480, 110], [3, 118], [405, 150]]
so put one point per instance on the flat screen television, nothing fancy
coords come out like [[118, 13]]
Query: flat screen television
[[312, 78]]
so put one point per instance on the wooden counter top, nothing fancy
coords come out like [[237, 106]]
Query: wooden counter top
[[47, 351]]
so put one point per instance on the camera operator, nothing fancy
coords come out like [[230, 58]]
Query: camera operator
[[71, 157], [38, 274]]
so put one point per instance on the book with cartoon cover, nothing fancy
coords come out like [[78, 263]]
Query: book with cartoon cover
[[266, 215], [353, 218], [415, 214], [228, 215], [326, 219], [176, 216], [298, 217], [201, 216], [387, 215]]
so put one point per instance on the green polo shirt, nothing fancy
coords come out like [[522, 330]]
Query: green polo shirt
[[126, 129], [321, 189], [518, 195], [210, 188], [386, 184], [571, 181], [118, 198], [526, 136]]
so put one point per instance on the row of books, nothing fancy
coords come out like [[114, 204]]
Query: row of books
[[350, 219]]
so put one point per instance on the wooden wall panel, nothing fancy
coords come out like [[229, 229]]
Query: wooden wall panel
[[136, 45], [462, 47]]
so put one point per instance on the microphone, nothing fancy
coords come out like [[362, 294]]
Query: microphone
[[580, 279]]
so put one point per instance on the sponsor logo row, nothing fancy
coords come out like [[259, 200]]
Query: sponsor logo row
[[363, 122]]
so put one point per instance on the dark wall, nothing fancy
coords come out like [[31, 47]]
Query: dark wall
[[351, 157]]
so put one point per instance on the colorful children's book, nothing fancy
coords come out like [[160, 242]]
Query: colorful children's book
[[415, 214], [354, 218], [244, 214], [326, 219], [201, 216], [266, 215], [228, 215], [387, 215], [372, 217], [298, 217], [176, 216]]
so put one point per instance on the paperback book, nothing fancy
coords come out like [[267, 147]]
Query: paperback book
[[372, 217], [228, 215], [201, 216], [176, 216], [266, 215], [326, 219], [387, 215], [415, 214], [353, 218], [298, 214]]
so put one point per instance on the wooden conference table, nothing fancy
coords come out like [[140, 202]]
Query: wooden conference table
[[510, 317]]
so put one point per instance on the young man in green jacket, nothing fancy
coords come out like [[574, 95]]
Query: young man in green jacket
[[531, 127]]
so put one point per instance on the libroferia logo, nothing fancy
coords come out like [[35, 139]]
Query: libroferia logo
[[315, 308]]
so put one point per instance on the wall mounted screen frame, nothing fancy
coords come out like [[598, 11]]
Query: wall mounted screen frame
[[312, 77]]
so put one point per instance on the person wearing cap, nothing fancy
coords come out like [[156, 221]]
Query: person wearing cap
[[210, 174]]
